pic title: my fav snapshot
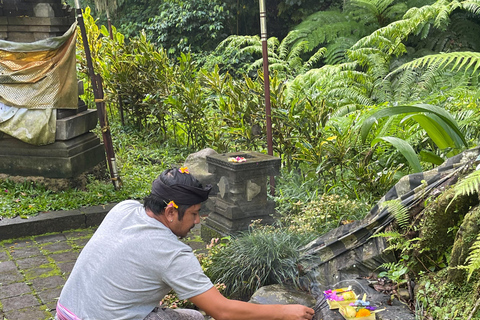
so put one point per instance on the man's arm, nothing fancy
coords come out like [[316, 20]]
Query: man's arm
[[221, 308]]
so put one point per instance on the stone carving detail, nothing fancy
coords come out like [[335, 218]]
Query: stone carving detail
[[253, 190], [223, 186]]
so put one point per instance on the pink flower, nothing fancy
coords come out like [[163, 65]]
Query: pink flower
[[184, 170], [172, 204]]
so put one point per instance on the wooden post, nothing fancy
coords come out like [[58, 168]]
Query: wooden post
[[266, 81], [96, 82]]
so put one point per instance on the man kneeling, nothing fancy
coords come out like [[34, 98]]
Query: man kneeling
[[135, 258]]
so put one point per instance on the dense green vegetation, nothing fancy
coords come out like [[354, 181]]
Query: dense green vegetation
[[363, 92]]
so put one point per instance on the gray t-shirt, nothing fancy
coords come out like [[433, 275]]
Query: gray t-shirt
[[131, 262]]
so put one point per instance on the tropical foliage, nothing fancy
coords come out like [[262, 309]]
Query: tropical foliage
[[362, 92]]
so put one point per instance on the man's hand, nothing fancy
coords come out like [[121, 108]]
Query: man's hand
[[221, 308], [297, 312]]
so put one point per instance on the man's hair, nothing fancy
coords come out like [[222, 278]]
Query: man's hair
[[172, 176]]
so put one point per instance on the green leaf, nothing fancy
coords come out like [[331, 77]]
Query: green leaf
[[434, 130], [405, 149], [428, 156], [418, 108]]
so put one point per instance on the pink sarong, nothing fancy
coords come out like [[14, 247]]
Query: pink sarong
[[65, 314]]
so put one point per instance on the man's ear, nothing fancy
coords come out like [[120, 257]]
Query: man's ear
[[170, 213]]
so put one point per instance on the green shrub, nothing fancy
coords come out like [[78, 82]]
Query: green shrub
[[325, 213], [259, 257]]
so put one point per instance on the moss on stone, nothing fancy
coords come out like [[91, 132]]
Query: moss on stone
[[440, 217], [465, 237]]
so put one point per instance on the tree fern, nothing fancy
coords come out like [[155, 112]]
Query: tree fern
[[390, 38], [336, 52], [376, 12], [325, 27]]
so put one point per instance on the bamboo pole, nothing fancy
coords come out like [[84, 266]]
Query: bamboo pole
[[266, 82], [96, 82]]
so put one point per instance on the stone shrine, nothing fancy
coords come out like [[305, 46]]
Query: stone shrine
[[242, 192], [75, 150]]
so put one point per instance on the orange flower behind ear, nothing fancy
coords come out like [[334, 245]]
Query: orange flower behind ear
[[363, 313]]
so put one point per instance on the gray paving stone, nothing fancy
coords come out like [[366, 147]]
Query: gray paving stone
[[78, 234], [57, 246], [3, 255], [20, 302], [51, 306], [40, 272], [50, 238], [7, 266], [11, 277], [80, 242], [32, 262], [18, 243], [14, 289], [66, 267], [49, 295], [25, 252], [32, 313], [47, 283], [65, 256]]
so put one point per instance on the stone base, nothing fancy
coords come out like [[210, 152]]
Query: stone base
[[99, 172], [75, 125], [225, 218], [208, 233], [62, 159]]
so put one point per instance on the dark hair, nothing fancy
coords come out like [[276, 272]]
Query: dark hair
[[170, 177]]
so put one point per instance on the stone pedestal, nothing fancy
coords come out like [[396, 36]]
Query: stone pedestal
[[242, 195], [32, 20], [76, 150]]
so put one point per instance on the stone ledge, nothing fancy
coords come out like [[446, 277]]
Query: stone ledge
[[53, 221]]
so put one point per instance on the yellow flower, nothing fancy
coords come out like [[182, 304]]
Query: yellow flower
[[172, 204], [331, 138], [184, 170]]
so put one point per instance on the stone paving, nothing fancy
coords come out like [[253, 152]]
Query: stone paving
[[34, 269]]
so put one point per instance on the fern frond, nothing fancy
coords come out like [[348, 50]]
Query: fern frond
[[314, 58], [388, 234], [234, 42], [346, 109], [473, 259], [324, 27], [336, 52], [468, 185], [471, 6], [389, 265], [404, 84], [351, 95], [459, 60], [399, 211]]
